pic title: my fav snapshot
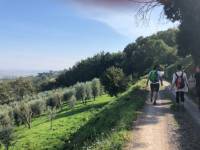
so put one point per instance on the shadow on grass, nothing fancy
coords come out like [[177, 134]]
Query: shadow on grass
[[80, 110], [116, 116]]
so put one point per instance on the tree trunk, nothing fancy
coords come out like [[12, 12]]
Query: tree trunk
[[7, 147], [51, 123]]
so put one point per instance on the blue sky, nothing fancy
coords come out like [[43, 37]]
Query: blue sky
[[54, 34]]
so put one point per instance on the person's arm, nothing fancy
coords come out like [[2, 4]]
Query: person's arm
[[173, 80]]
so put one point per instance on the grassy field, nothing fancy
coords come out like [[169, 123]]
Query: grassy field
[[101, 124]]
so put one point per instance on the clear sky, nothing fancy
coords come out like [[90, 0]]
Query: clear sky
[[54, 34]]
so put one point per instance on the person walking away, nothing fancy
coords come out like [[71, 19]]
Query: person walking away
[[155, 78], [180, 83], [197, 78]]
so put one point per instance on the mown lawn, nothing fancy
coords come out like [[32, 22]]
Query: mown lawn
[[101, 124]]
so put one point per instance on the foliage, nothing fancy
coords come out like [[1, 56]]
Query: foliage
[[37, 107], [23, 114], [68, 94], [80, 92], [22, 87], [187, 12], [90, 68], [88, 90], [114, 81], [6, 136], [54, 101], [72, 102], [96, 88]]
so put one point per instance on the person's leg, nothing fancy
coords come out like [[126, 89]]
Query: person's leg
[[198, 94], [152, 90], [177, 97], [157, 86], [182, 95]]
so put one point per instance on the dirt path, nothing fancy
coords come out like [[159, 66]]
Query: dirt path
[[160, 128]]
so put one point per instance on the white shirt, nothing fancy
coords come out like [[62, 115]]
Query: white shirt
[[179, 73]]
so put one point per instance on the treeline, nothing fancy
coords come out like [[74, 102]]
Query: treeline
[[135, 59]]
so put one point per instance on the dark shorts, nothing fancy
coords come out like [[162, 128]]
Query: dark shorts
[[180, 96], [155, 87]]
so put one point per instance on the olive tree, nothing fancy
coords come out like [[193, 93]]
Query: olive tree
[[68, 94], [88, 90], [37, 107], [23, 114], [96, 88], [72, 102], [80, 92], [54, 101]]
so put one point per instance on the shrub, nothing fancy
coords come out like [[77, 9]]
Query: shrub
[[37, 107], [6, 137], [54, 102], [6, 116], [5, 119], [68, 94], [114, 81]]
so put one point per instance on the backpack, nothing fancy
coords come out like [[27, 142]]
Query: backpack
[[154, 77], [180, 83]]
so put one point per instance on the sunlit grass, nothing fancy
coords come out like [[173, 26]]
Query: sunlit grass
[[101, 124]]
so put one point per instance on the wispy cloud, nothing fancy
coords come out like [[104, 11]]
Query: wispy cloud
[[120, 15]]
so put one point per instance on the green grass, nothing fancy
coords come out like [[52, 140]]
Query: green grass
[[110, 128], [101, 124]]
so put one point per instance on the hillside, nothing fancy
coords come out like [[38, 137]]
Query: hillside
[[103, 123]]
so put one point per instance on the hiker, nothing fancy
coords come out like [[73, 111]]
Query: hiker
[[180, 82], [155, 78], [197, 78]]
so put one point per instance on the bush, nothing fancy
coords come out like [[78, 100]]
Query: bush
[[5, 120], [37, 107], [68, 94], [6, 116], [17, 116], [114, 81], [54, 102], [6, 137]]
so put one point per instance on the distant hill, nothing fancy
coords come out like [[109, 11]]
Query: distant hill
[[10, 74]]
